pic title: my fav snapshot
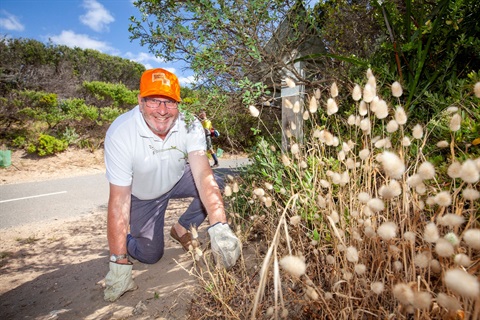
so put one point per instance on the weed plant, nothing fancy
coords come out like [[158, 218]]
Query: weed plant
[[355, 223]]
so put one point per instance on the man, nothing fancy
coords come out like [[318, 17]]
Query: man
[[207, 125], [152, 155]]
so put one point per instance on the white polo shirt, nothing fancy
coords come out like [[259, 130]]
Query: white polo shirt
[[135, 156]]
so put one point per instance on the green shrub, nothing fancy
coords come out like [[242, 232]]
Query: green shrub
[[108, 114], [70, 135], [116, 93], [47, 145]]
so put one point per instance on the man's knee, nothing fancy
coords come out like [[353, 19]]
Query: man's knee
[[151, 258], [143, 252]]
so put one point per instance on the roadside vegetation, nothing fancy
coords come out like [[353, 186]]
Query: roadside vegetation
[[374, 216]]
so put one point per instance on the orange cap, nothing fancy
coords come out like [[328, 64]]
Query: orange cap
[[160, 82]]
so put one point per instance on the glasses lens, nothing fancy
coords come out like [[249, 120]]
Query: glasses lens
[[155, 103]]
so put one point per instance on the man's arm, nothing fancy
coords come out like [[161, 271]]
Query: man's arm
[[118, 219], [207, 187]]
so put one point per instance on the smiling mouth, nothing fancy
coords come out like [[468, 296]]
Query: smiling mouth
[[161, 119]]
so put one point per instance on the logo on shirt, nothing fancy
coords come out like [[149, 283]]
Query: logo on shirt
[[155, 151]]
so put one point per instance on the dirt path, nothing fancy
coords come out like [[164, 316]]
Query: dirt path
[[54, 270]]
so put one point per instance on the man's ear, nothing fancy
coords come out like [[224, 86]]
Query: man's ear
[[139, 99]]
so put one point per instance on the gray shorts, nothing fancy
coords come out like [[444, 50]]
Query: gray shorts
[[209, 143], [147, 218]]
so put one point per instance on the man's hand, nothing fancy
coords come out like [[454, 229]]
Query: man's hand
[[225, 245], [118, 281]]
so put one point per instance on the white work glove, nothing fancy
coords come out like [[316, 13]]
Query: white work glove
[[118, 281], [225, 245]]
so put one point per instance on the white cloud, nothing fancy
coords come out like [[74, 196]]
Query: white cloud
[[186, 80], [97, 17], [144, 58], [150, 61], [10, 22], [83, 41]]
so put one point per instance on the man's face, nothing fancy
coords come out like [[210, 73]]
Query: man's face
[[202, 116], [158, 117]]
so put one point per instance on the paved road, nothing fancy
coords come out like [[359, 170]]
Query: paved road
[[32, 202]]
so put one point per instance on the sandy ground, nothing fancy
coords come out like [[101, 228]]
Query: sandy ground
[[55, 270]]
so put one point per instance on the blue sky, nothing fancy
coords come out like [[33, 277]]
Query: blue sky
[[94, 24]]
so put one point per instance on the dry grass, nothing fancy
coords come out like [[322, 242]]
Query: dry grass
[[352, 224]]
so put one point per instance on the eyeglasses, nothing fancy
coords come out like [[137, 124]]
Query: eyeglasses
[[156, 103]]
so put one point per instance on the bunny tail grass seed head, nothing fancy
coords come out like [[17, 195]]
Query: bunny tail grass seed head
[[476, 89], [295, 148], [462, 283], [311, 293], [421, 260], [469, 171], [410, 236], [392, 165], [253, 111], [406, 142], [450, 220], [365, 125], [387, 231], [454, 170], [455, 122], [360, 269], [306, 115], [472, 238], [443, 199], [228, 191], [400, 116], [235, 187], [422, 300], [295, 220], [363, 108], [363, 197], [313, 106], [373, 82], [352, 254], [426, 171], [470, 194], [403, 293], [293, 265], [430, 233], [449, 303], [369, 73], [285, 160], [444, 248], [351, 120], [377, 287], [397, 90], [417, 131], [334, 90], [318, 94], [382, 109], [392, 126], [363, 154], [332, 107], [463, 260], [259, 192], [442, 144], [376, 205], [368, 93], [452, 238], [356, 92]]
